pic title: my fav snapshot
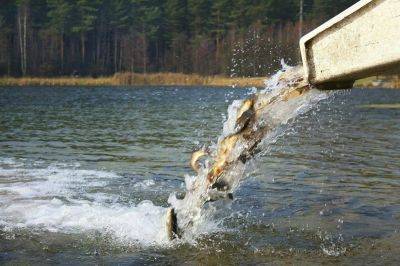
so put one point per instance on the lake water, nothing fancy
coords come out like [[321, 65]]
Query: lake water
[[84, 172]]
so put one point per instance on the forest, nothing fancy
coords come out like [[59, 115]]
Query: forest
[[246, 38]]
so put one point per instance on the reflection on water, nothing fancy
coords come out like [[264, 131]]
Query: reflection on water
[[85, 174]]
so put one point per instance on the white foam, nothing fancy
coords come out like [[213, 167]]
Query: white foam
[[143, 224], [50, 181], [145, 183], [54, 199]]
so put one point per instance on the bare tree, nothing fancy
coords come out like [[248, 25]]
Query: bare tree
[[22, 32], [301, 19]]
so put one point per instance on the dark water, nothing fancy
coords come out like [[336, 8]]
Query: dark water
[[78, 164]]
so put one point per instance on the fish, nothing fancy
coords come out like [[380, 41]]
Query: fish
[[194, 160], [171, 224], [240, 144]]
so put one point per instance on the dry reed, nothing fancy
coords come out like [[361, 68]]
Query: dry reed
[[171, 79], [390, 82], [135, 79]]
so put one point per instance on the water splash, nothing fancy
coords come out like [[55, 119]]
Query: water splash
[[252, 125]]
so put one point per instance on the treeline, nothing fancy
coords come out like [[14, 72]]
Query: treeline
[[102, 37]]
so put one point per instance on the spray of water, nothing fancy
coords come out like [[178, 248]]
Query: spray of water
[[252, 125]]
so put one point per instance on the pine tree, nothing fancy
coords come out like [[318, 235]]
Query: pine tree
[[240, 14], [8, 12], [124, 15], [86, 13], [220, 19], [176, 15], [279, 11], [199, 13], [60, 22], [149, 17]]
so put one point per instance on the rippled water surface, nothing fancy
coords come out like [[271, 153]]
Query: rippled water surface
[[85, 174]]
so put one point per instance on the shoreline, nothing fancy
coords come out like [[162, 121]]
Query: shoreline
[[135, 79], [173, 79]]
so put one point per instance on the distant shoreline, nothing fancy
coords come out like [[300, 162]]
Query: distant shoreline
[[172, 79], [135, 79]]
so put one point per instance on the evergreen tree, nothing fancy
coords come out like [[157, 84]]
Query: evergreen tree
[[8, 12], [60, 22], [148, 20], [199, 13], [119, 14], [176, 14], [240, 16], [281, 10], [86, 12]]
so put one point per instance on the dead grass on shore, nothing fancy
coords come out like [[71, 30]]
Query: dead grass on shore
[[58, 81], [135, 79], [390, 82], [185, 80], [172, 79]]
